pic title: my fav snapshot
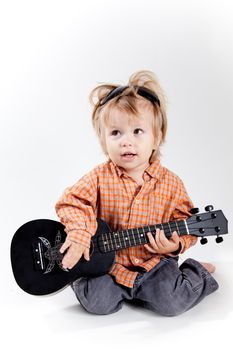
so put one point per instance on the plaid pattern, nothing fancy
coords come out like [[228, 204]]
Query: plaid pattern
[[110, 194]]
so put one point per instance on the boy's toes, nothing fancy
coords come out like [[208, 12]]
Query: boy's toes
[[209, 267]]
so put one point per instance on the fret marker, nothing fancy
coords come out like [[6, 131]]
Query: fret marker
[[126, 237], [105, 242]]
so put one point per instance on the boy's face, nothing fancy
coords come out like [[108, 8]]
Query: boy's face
[[130, 141]]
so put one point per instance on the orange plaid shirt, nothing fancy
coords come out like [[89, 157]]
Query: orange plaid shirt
[[108, 193]]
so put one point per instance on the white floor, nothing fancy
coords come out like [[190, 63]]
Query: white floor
[[59, 321]]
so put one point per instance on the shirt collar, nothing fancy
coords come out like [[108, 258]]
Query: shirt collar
[[154, 169]]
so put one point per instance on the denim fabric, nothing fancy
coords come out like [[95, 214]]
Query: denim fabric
[[168, 289]]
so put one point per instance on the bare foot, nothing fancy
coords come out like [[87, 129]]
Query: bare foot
[[209, 267]]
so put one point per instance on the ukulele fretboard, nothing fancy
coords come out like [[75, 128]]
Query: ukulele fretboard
[[121, 239]]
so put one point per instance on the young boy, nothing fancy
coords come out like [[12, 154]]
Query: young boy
[[132, 189]]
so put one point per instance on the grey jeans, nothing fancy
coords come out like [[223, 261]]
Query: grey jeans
[[167, 289]]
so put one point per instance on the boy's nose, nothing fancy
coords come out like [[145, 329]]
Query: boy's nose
[[126, 141]]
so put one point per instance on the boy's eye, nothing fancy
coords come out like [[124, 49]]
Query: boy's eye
[[114, 132], [138, 131]]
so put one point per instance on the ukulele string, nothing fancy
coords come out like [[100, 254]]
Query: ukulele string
[[133, 239], [134, 236]]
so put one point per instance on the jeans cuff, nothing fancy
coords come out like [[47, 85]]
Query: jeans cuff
[[204, 272]]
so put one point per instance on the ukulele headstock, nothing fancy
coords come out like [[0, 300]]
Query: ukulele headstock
[[210, 223]]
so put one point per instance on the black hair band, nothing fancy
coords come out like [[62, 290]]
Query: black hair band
[[142, 91]]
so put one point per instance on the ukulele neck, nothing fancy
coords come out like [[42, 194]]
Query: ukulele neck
[[122, 239]]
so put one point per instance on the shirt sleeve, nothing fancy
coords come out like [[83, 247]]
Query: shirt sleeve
[[183, 204], [76, 209]]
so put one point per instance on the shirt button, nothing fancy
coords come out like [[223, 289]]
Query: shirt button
[[137, 201], [136, 261]]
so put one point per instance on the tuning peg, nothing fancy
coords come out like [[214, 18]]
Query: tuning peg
[[209, 208], [219, 239], [203, 240], [194, 210]]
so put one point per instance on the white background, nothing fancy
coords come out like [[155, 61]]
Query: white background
[[52, 54]]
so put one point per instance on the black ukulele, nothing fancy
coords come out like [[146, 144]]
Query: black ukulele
[[36, 260]]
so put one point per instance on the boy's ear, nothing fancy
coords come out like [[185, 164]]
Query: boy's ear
[[158, 140]]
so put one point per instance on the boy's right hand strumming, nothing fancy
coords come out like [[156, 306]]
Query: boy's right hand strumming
[[74, 253]]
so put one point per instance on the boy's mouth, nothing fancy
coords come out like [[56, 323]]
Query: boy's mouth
[[128, 155]]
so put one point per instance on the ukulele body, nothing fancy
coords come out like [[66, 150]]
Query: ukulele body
[[36, 260]]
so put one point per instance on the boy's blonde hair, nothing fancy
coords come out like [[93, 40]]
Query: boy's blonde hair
[[127, 102]]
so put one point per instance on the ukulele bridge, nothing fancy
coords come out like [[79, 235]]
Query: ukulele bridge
[[38, 255]]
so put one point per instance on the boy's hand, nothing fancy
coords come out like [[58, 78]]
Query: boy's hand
[[73, 254], [162, 245]]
